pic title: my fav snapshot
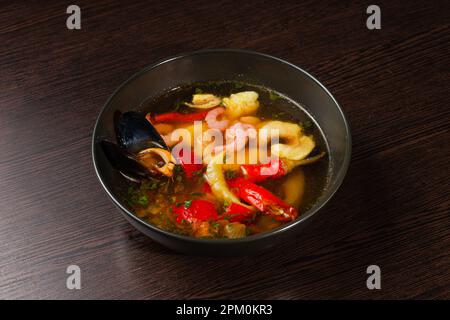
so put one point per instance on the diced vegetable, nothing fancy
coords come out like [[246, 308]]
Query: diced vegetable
[[202, 230], [195, 210], [234, 230]]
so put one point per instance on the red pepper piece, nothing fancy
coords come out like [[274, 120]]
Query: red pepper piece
[[187, 163], [237, 213], [206, 188], [177, 117], [259, 172], [195, 210], [263, 199]]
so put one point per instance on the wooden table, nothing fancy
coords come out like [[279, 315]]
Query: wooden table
[[392, 210]]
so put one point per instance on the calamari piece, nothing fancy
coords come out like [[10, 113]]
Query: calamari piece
[[241, 104], [296, 146], [204, 101], [297, 151], [290, 132]]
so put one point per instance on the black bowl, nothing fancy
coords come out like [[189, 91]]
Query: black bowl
[[216, 65]]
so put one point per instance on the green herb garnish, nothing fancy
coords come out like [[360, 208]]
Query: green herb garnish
[[307, 124], [179, 105], [154, 186], [198, 91], [230, 174], [238, 85], [187, 203], [177, 169], [197, 194], [215, 225], [142, 200], [273, 96]]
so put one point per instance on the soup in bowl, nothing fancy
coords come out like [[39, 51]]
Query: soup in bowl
[[209, 156]]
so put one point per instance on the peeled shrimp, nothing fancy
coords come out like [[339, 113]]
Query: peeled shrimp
[[236, 137], [213, 123]]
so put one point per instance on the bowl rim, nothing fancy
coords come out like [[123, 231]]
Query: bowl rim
[[252, 238]]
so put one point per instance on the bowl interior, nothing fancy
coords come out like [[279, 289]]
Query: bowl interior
[[217, 65]]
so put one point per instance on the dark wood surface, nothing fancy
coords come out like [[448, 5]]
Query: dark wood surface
[[392, 210]]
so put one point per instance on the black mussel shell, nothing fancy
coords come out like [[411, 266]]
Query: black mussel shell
[[135, 133], [124, 161]]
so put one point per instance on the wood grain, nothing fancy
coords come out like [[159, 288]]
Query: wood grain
[[392, 210]]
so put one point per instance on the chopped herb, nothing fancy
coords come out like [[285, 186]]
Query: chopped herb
[[279, 115], [215, 224], [273, 96], [230, 174], [178, 169], [154, 186], [198, 91], [187, 203], [131, 190], [179, 105], [142, 200], [307, 124], [197, 173], [197, 194]]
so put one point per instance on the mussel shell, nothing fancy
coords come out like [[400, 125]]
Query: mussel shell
[[135, 133], [124, 161]]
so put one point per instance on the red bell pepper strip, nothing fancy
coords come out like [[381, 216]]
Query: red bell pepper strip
[[177, 117], [263, 199], [195, 210], [237, 213], [259, 172], [190, 168], [206, 188]]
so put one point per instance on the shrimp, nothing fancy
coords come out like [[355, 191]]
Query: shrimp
[[237, 137], [213, 123]]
